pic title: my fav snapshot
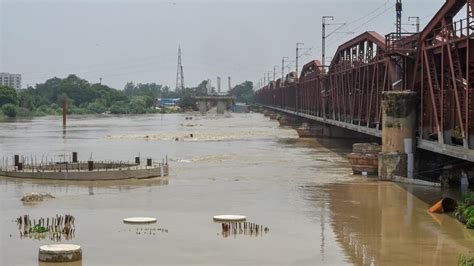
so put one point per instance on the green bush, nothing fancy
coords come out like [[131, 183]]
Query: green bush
[[24, 112], [465, 260], [74, 110], [10, 110], [469, 212], [38, 229], [469, 199], [119, 108], [8, 95], [470, 223], [137, 105], [96, 108]]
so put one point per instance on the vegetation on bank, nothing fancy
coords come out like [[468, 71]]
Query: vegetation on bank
[[466, 260], [465, 211], [87, 98]]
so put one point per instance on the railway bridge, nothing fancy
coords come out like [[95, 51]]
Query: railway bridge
[[436, 65]]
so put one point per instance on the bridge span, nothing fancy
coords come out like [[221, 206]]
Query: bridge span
[[436, 63]]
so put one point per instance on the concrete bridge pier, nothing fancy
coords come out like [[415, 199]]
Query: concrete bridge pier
[[203, 106], [221, 107], [398, 134]]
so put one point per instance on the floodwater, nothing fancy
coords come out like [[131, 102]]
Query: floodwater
[[317, 212]]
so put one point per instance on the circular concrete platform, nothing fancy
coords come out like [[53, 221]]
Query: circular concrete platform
[[139, 220], [229, 218], [60, 253]]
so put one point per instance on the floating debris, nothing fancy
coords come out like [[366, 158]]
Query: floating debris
[[245, 228], [152, 231], [54, 228], [36, 196]]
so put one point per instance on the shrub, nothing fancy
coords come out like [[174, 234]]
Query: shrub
[[96, 108], [469, 212], [10, 110], [470, 223], [119, 108], [465, 260]]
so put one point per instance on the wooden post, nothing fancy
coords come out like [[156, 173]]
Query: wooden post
[[64, 112]]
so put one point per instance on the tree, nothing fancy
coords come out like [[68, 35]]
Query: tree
[[187, 102], [10, 109], [8, 95], [149, 101], [137, 105], [26, 101], [244, 92]]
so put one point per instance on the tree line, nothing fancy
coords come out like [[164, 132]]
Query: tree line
[[87, 98]]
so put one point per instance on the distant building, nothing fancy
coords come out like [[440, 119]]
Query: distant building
[[11, 80], [167, 102]]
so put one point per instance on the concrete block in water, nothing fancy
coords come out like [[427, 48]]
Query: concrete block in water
[[229, 218], [140, 220], [60, 253]]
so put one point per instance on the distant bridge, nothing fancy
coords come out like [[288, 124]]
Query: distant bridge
[[223, 103]]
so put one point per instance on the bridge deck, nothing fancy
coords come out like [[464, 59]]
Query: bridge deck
[[215, 97], [456, 151]]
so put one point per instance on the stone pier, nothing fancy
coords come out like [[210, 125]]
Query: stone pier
[[398, 134], [289, 120]]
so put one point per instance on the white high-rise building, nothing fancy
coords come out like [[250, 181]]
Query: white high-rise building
[[11, 80]]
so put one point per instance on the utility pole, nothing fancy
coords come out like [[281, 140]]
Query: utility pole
[[179, 72], [268, 77], [323, 47], [283, 67], [297, 56], [230, 84], [398, 9], [325, 36], [417, 23], [274, 72]]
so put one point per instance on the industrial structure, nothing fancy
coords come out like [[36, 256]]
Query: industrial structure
[[436, 65]]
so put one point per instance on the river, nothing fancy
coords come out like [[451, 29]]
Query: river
[[317, 212]]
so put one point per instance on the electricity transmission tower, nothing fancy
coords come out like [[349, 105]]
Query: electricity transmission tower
[[179, 72], [398, 8]]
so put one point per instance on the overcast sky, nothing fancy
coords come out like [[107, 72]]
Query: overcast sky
[[137, 40]]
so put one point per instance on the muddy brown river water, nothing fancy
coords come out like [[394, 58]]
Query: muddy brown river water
[[317, 212]]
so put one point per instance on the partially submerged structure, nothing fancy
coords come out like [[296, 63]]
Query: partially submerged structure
[[86, 170]]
